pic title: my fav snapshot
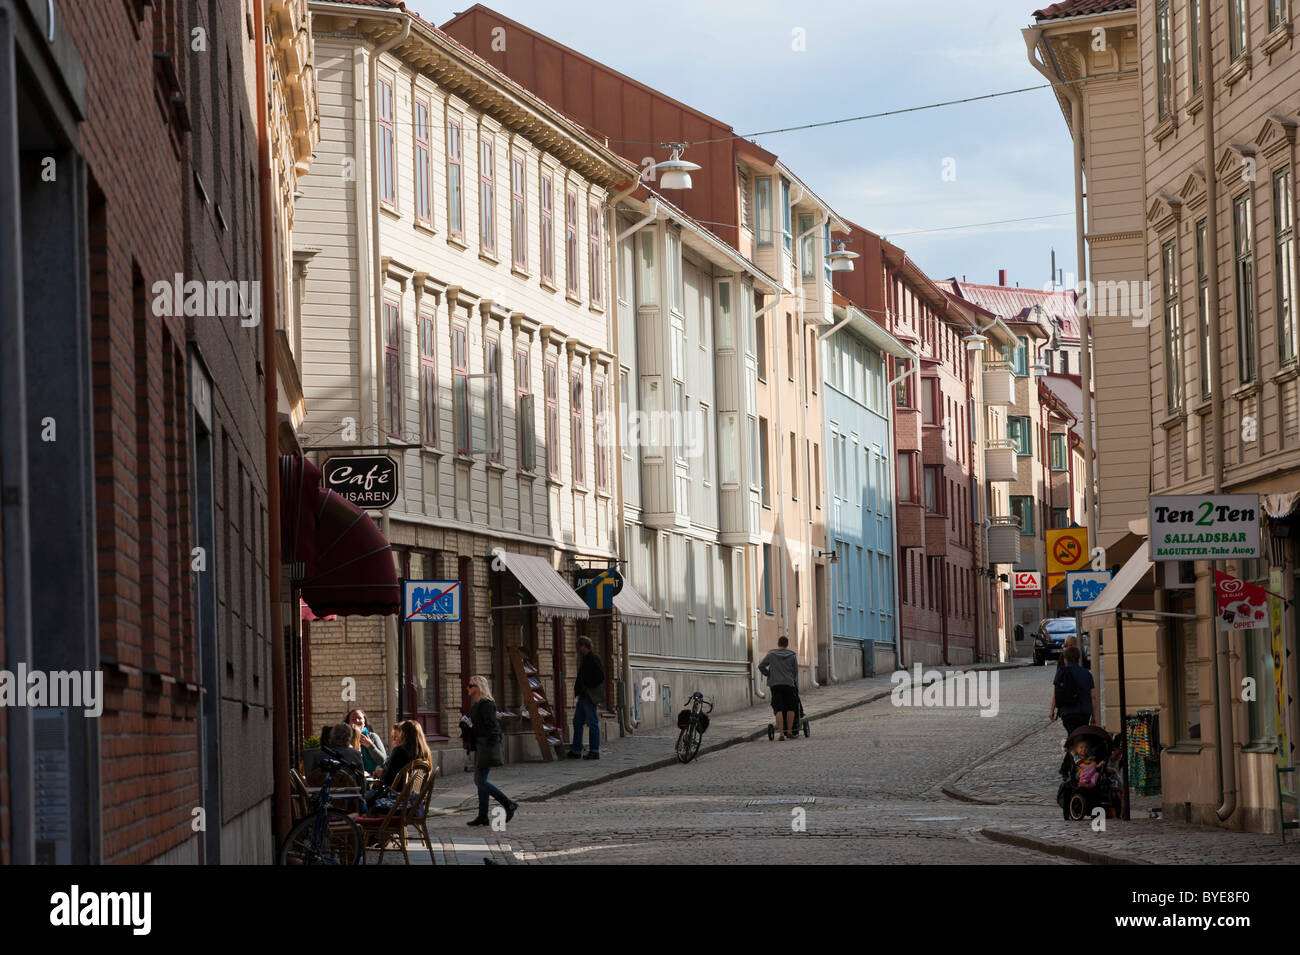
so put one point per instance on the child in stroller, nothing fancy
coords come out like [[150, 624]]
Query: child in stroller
[[1091, 776]]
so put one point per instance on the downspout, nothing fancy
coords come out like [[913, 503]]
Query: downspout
[[780, 295], [626, 724], [1223, 684], [818, 276], [899, 664], [279, 670]]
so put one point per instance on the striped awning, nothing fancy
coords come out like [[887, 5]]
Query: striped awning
[[633, 608], [554, 598]]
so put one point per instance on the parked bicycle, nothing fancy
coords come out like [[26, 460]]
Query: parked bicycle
[[692, 721], [327, 836]]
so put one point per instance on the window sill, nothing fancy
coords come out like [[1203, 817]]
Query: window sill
[[1165, 127], [489, 257], [1173, 419], [596, 308], [426, 227], [1196, 103], [432, 449], [548, 285], [1202, 407], [1277, 39], [1246, 391], [497, 466], [1238, 69], [604, 494], [526, 474], [580, 489], [1287, 372], [1183, 749], [463, 458], [521, 272], [554, 482], [1268, 748], [457, 242], [572, 298], [390, 210], [393, 442]]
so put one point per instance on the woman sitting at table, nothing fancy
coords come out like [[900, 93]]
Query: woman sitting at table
[[339, 746], [408, 744]]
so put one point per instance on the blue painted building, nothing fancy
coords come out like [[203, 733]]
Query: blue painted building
[[862, 612]]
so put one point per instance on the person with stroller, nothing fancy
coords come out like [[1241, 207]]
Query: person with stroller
[[1074, 695], [781, 667]]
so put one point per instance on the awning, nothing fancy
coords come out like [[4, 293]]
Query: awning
[[1101, 612], [345, 563], [634, 609], [1278, 506], [554, 598]]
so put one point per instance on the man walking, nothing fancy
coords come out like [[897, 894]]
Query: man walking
[[1074, 695], [588, 692], [781, 667]]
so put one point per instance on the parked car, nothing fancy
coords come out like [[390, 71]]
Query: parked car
[[1049, 642]]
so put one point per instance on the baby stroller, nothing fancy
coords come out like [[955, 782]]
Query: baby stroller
[[1101, 784], [801, 722]]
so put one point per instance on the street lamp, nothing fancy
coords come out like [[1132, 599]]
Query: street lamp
[[841, 259], [975, 342], [675, 172], [1040, 369]]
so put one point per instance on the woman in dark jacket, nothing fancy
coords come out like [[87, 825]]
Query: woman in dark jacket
[[485, 737], [411, 746]]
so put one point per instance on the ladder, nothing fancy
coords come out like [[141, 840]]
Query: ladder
[[540, 712]]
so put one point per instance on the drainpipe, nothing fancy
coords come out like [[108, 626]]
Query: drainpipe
[[1223, 684], [899, 663], [776, 368], [279, 667], [626, 724], [818, 276]]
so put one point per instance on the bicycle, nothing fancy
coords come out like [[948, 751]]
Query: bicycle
[[328, 836], [692, 722]]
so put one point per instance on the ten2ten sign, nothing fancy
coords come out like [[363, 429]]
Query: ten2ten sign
[[1204, 526]]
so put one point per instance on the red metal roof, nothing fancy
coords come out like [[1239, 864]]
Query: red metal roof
[[1016, 305], [1081, 8]]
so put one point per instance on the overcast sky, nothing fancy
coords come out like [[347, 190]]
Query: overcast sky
[[1011, 156]]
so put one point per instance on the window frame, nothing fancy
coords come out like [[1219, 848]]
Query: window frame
[[519, 212], [1027, 506], [455, 179], [1284, 265], [764, 237], [487, 198], [1026, 429], [422, 174], [461, 425], [1164, 44], [572, 275], [551, 385], [546, 205], [1238, 30], [599, 420], [1194, 45], [1203, 305], [525, 426], [386, 106], [595, 260], [1173, 321], [492, 367], [1244, 285], [428, 329], [394, 377], [1060, 451]]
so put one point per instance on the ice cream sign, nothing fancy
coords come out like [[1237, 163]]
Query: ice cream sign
[[1241, 604], [1204, 526]]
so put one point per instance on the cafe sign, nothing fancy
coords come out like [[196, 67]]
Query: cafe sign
[[368, 481], [1204, 526]]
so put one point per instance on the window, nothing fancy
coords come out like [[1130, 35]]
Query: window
[[1276, 14], [455, 167], [1203, 308], [1284, 264], [673, 263], [705, 436], [525, 428], [1022, 508], [387, 160], [760, 335], [789, 346], [1060, 517], [600, 419], [548, 230], [1173, 327], [552, 419], [767, 578], [1164, 60], [934, 489], [423, 196], [763, 210], [1020, 358], [1020, 434], [1065, 362], [579, 435], [493, 363], [1186, 681], [929, 401], [518, 214], [571, 242], [1245, 285], [826, 249], [393, 367], [905, 481], [763, 463], [817, 474], [594, 263], [746, 199], [1060, 459], [460, 385], [786, 238], [646, 284], [1237, 40], [794, 467], [428, 381], [487, 228], [807, 248], [1194, 43]]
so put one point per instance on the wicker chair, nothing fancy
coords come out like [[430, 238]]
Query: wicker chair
[[420, 815], [405, 811], [301, 797]]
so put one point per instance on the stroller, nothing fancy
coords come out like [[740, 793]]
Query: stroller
[[1100, 784], [801, 721]]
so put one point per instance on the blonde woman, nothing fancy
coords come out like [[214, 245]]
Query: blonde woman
[[485, 739], [408, 744]]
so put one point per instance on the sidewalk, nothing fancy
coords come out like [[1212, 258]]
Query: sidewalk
[[648, 750], [1024, 774]]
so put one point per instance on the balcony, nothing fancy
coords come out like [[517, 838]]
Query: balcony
[[936, 534], [911, 525], [999, 384], [1004, 540], [932, 449], [1000, 461]]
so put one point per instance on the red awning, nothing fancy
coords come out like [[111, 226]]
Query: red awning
[[346, 564]]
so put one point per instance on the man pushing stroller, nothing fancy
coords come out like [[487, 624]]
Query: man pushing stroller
[[781, 667]]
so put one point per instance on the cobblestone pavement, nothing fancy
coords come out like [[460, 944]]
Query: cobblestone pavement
[[875, 783]]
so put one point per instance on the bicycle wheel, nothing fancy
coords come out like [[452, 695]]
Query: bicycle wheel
[[340, 843], [683, 745], [697, 737]]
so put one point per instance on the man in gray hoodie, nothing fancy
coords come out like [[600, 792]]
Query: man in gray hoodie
[[781, 667]]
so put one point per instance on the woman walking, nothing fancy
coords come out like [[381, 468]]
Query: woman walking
[[486, 740]]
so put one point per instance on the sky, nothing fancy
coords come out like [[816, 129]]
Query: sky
[[900, 176]]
